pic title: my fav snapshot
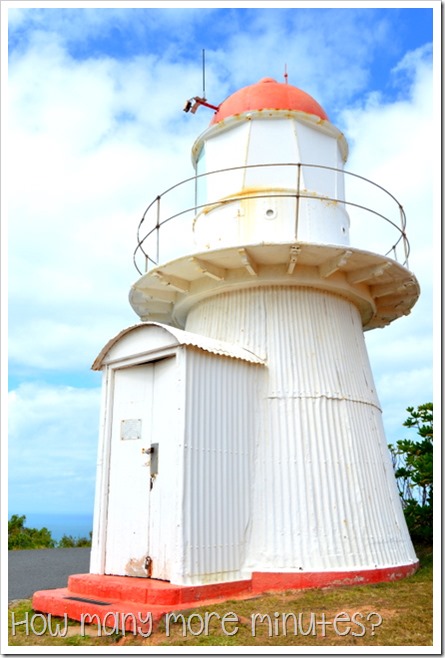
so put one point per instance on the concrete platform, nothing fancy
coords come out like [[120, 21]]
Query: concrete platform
[[108, 600]]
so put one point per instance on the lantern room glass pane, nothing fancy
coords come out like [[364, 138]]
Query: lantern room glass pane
[[272, 141], [222, 151], [322, 149]]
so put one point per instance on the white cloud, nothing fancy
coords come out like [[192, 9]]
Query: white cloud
[[75, 25], [53, 434], [394, 144], [328, 54], [400, 389], [79, 180]]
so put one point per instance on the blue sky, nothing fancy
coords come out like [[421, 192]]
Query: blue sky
[[94, 130]]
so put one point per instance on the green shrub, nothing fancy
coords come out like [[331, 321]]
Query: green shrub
[[20, 537], [68, 541], [413, 467]]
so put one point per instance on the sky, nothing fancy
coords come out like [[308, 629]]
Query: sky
[[93, 130]]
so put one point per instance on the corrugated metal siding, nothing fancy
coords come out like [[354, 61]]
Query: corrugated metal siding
[[324, 502], [316, 347], [136, 338], [324, 490], [238, 316], [218, 455], [288, 327]]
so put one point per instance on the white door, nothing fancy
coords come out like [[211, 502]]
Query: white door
[[141, 491]]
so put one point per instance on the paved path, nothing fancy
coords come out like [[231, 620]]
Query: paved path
[[46, 568]]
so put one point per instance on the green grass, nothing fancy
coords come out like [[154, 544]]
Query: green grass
[[385, 614]]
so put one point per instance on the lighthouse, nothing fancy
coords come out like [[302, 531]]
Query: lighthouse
[[241, 444]]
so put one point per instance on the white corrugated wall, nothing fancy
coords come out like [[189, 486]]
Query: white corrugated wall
[[325, 496], [219, 443]]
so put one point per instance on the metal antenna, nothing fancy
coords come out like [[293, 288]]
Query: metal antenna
[[192, 104], [204, 74], [285, 73]]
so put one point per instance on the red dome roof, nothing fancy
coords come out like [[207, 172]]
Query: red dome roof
[[268, 94]]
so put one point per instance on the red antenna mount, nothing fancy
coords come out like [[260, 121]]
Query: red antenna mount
[[192, 104]]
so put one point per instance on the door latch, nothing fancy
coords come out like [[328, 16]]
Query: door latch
[[153, 451]]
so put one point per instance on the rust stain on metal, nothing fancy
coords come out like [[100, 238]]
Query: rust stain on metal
[[149, 563], [136, 567], [253, 192]]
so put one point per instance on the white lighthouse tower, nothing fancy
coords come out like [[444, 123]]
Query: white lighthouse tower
[[242, 440]]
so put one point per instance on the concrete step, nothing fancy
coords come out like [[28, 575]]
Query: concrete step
[[151, 591], [136, 604]]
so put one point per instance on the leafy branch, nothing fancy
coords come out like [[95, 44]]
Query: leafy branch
[[413, 468]]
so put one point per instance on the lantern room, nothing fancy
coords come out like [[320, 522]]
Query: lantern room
[[253, 145]]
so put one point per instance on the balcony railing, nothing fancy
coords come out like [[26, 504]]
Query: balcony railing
[[165, 231]]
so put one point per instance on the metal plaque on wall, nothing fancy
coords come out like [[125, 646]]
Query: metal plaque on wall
[[131, 429]]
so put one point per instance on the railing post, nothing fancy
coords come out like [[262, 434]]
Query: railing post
[[196, 192], [402, 219], [405, 241], [297, 204], [158, 213]]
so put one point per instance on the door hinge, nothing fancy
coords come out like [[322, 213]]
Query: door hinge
[[148, 564]]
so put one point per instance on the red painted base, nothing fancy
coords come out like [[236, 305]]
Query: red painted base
[[264, 581], [137, 604]]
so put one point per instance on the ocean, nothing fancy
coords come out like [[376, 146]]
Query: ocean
[[76, 525]]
